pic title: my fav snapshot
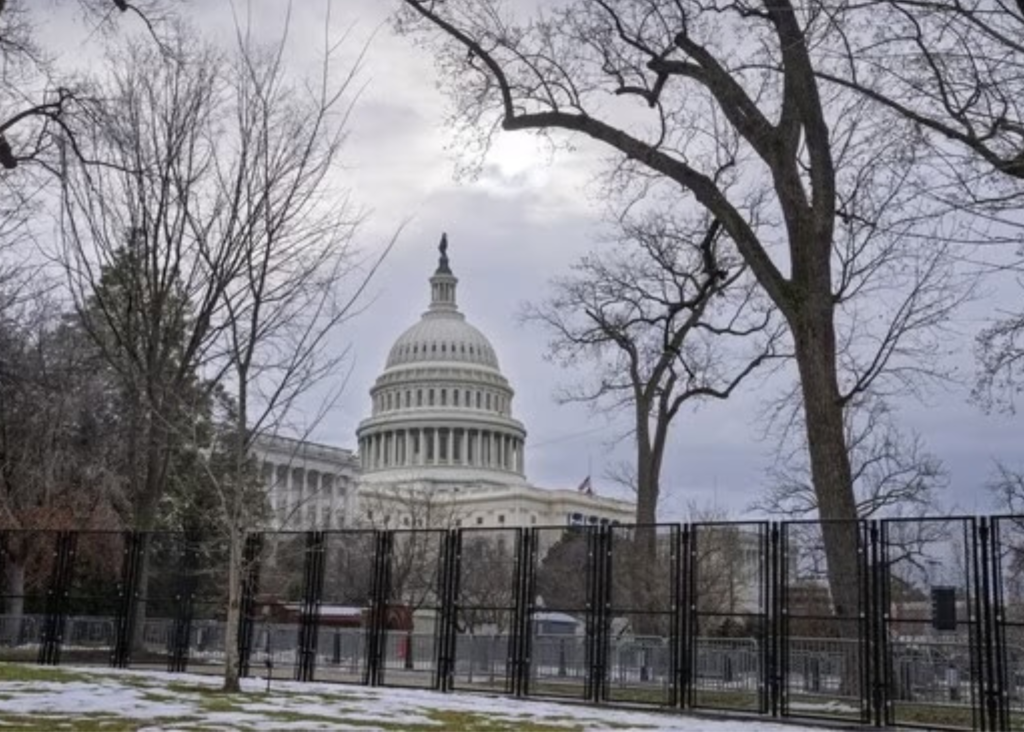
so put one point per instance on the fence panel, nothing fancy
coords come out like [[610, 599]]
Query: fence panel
[[921, 625], [27, 563], [486, 597], [562, 623], [932, 622], [160, 623], [278, 610], [727, 595], [410, 642], [348, 606], [824, 649], [205, 579], [97, 598], [644, 615], [1008, 575]]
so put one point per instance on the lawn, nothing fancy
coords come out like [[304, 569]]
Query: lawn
[[41, 699]]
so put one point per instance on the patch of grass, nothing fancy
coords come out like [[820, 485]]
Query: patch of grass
[[462, 721], [26, 672], [933, 716], [81, 722]]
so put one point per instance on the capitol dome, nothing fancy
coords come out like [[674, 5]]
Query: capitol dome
[[446, 337], [441, 408]]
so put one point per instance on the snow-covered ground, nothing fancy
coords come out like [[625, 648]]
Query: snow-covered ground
[[46, 699]]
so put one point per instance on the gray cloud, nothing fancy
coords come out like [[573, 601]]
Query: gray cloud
[[521, 222]]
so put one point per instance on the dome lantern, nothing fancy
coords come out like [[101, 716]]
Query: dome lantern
[[442, 284]]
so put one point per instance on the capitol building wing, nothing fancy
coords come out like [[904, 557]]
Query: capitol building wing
[[441, 447]]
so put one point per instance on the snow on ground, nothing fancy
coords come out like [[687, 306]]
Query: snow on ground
[[166, 702]]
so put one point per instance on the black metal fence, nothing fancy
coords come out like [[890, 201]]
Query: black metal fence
[[892, 622]]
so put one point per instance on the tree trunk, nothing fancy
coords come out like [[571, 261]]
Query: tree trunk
[[141, 610], [646, 473], [14, 600], [814, 338], [232, 660], [644, 569]]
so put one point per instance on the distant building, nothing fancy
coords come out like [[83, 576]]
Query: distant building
[[440, 448], [309, 486]]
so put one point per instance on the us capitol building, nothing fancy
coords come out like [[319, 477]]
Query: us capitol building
[[440, 448]]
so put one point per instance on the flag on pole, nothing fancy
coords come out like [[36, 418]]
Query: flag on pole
[[585, 487]]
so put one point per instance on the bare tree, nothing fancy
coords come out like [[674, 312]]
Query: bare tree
[[1000, 352], [38, 108], [789, 171], [893, 473], [671, 316], [246, 267], [1007, 485], [298, 280], [953, 69], [145, 289]]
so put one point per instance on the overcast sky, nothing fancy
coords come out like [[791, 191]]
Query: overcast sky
[[522, 221]]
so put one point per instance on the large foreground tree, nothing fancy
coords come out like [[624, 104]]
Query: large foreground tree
[[721, 105]]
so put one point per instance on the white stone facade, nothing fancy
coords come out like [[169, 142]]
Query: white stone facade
[[309, 486]]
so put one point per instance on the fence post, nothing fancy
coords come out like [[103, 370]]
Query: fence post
[[250, 588], [876, 627], [683, 622], [598, 556], [988, 574], [65, 544], [447, 627], [1002, 681], [309, 612], [774, 608], [605, 611], [527, 596], [184, 599], [377, 627], [128, 595], [515, 650], [675, 621]]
